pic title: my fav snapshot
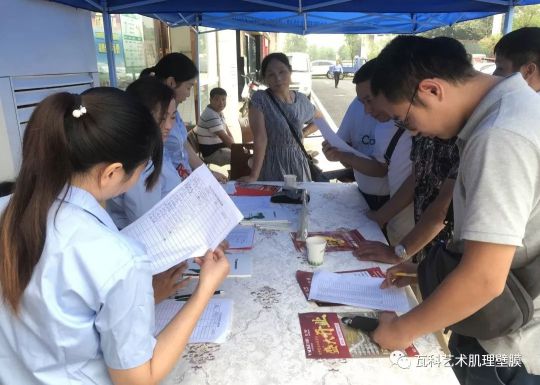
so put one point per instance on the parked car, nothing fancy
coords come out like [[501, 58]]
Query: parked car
[[321, 67], [301, 72]]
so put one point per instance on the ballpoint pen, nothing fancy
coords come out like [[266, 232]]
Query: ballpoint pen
[[185, 297]]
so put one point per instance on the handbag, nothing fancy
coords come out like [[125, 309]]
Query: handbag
[[241, 153], [503, 315], [317, 175]]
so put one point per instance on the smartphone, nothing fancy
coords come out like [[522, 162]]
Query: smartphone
[[364, 324]]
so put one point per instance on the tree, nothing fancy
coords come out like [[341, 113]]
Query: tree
[[467, 30], [528, 16], [325, 53], [296, 43], [354, 45], [344, 52]]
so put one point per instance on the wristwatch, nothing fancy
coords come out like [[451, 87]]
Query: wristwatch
[[400, 251]]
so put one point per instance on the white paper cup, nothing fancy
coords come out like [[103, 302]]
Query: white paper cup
[[290, 181], [315, 247]]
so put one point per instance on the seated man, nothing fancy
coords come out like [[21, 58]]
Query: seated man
[[213, 135], [519, 51]]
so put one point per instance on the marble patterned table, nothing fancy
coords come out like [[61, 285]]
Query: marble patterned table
[[265, 344]]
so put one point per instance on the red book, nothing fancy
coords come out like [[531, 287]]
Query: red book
[[325, 336], [340, 240], [304, 280], [252, 189]]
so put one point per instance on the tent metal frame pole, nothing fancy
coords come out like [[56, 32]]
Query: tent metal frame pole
[[508, 20], [197, 63], [109, 45]]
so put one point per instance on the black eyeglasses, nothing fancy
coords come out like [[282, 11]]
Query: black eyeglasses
[[404, 124]]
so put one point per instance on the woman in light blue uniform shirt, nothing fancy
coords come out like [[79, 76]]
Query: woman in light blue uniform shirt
[[129, 206], [77, 305], [179, 72]]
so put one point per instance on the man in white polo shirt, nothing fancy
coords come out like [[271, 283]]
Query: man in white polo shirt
[[390, 157], [213, 135], [519, 51], [429, 86]]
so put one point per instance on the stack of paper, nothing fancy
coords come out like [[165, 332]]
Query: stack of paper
[[241, 238], [260, 212], [213, 326], [357, 290]]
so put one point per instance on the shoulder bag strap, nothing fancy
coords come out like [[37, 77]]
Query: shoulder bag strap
[[291, 126], [392, 145]]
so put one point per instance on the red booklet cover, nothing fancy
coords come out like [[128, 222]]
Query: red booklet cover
[[252, 189], [304, 280], [325, 336], [340, 240]]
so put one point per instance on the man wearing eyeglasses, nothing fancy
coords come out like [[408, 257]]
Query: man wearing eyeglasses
[[430, 87]]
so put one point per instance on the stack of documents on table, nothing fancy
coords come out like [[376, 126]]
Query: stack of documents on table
[[356, 289], [213, 326], [241, 238], [193, 218], [240, 266], [260, 212]]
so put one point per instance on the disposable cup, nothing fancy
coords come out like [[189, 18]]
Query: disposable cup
[[290, 181], [315, 250]]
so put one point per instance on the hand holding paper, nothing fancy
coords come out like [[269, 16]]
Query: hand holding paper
[[335, 141]]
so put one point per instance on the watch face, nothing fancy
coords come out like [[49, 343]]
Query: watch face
[[400, 251]]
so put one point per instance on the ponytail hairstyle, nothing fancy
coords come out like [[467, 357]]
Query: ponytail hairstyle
[[175, 64], [153, 94], [58, 146]]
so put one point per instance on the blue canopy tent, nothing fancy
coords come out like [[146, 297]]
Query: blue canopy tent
[[302, 16]]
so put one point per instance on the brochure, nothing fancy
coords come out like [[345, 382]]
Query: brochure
[[325, 336], [340, 240]]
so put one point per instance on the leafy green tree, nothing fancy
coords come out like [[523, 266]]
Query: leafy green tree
[[354, 44], [296, 43], [488, 43], [326, 53], [344, 52], [527, 16], [467, 30]]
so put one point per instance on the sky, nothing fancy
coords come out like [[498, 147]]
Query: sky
[[330, 40]]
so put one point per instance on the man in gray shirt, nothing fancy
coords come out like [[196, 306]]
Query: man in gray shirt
[[429, 87]]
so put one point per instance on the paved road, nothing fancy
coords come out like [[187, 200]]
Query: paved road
[[333, 103], [334, 100]]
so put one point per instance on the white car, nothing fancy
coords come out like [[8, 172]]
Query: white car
[[321, 67], [301, 72]]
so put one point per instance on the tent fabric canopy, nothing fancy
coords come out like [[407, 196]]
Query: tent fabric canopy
[[321, 22], [307, 16]]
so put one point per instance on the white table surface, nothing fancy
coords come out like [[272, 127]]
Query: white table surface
[[265, 345]]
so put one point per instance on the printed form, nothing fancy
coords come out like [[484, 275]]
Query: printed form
[[357, 290], [213, 326], [335, 141], [193, 218]]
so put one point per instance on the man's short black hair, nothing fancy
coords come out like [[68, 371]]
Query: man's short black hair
[[365, 72], [407, 60], [217, 91], [521, 46]]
